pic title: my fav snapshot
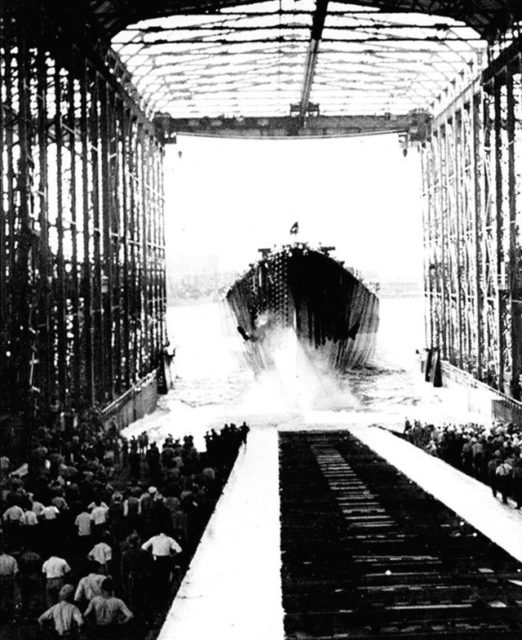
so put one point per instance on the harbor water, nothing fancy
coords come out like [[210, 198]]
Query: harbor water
[[214, 382]]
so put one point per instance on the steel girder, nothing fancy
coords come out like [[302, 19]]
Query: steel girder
[[82, 261], [472, 168], [416, 124]]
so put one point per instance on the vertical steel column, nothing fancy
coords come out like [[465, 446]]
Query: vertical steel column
[[467, 246], [134, 270], [45, 346], [86, 277], [452, 218], [61, 344], [3, 217], [116, 235], [459, 145], [127, 275], [97, 258], [445, 276], [476, 203], [516, 210], [502, 229], [22, 244], [162, 246], [489, 252], [143, 248], [512, 310], [105, 267], [433, 263], [428, 266], [438, 249], [74, 266], [464, 275]]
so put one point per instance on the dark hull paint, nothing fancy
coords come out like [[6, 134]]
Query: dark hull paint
[[334, 314]]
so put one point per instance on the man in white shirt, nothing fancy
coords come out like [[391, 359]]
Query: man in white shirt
[[29, 518], [13, 514], [83, 524], [102, 554], [55, 569], [50, 512], [8, 565], [162, 547], [98, 516]]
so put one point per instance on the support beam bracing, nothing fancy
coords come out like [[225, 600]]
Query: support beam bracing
[[472, 168], [81, 215]]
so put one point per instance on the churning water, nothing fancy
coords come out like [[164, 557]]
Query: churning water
[[215, 384]]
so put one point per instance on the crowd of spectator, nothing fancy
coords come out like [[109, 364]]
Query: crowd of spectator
[[97, 530], [492, 454]]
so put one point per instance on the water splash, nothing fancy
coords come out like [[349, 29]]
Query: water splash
[[297, 380], [215, 383]]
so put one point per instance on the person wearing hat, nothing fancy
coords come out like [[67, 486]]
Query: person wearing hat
[[64, 616]]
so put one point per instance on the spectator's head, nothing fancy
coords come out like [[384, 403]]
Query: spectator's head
[[66, 592], [133, 540], [93, 566], [108, 586]]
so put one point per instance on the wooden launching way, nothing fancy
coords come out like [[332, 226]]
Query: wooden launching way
[[366, 553]]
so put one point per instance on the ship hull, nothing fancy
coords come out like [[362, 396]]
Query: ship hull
[[333, 313]]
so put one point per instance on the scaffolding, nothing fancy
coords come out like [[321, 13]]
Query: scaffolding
[[472, 171], [82, 259]]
